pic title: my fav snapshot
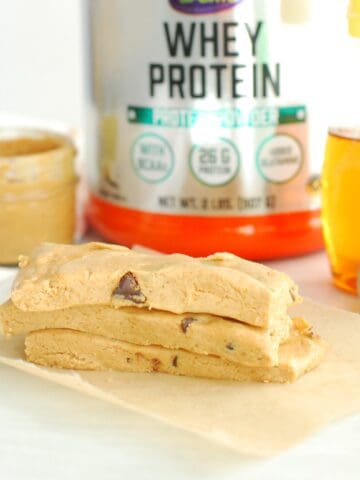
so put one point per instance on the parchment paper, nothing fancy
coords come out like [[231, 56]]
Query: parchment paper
[[255, 419]]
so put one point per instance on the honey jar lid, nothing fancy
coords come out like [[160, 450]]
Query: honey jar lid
[[354, 18], [295, 11]]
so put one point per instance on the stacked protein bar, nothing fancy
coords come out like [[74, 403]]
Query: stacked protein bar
[[103, 307]]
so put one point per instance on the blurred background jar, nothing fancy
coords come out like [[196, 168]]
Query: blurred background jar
[[37, 191], [341, 170]]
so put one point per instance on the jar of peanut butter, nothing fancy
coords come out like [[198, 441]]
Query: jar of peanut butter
[[37, 191]]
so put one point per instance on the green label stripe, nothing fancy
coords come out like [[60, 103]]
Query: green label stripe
[[260, 116], [295, 114]]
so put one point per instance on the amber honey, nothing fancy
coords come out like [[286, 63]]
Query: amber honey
[[341, 205]]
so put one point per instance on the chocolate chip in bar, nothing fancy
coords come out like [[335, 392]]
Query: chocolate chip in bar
[[155, 364], [185, 323], [129, 289], [230, 346], [175, 360]]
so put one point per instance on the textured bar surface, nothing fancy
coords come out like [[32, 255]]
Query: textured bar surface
[[70, 349], [61, 276]]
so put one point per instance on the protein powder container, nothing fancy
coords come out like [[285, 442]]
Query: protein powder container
[[198, 126]]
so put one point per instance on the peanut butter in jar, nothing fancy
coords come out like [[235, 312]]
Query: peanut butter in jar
[[37, 191]]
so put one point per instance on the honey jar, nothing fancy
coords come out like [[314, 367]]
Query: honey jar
[[341, 169]]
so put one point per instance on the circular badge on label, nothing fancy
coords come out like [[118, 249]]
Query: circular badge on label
[[215, 163], [152, 158], [279, 158]]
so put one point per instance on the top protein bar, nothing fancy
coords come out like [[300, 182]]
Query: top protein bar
[[60, 276]]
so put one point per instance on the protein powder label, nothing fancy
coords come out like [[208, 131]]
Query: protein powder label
[[196, 112]]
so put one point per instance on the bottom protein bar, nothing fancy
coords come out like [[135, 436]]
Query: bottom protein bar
[[70, 349]]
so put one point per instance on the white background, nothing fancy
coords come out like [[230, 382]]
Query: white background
[[41, 62], [41, 71]]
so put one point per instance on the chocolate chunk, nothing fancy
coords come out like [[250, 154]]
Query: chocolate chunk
[[230, 346], [185, 323], [155, 364], [128, 359], [293, 295], [129, 289], [174, 362]]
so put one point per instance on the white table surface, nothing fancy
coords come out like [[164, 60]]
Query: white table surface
[[50, 433]]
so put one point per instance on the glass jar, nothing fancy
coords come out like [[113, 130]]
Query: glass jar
[[37, 191], [341, 169]]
